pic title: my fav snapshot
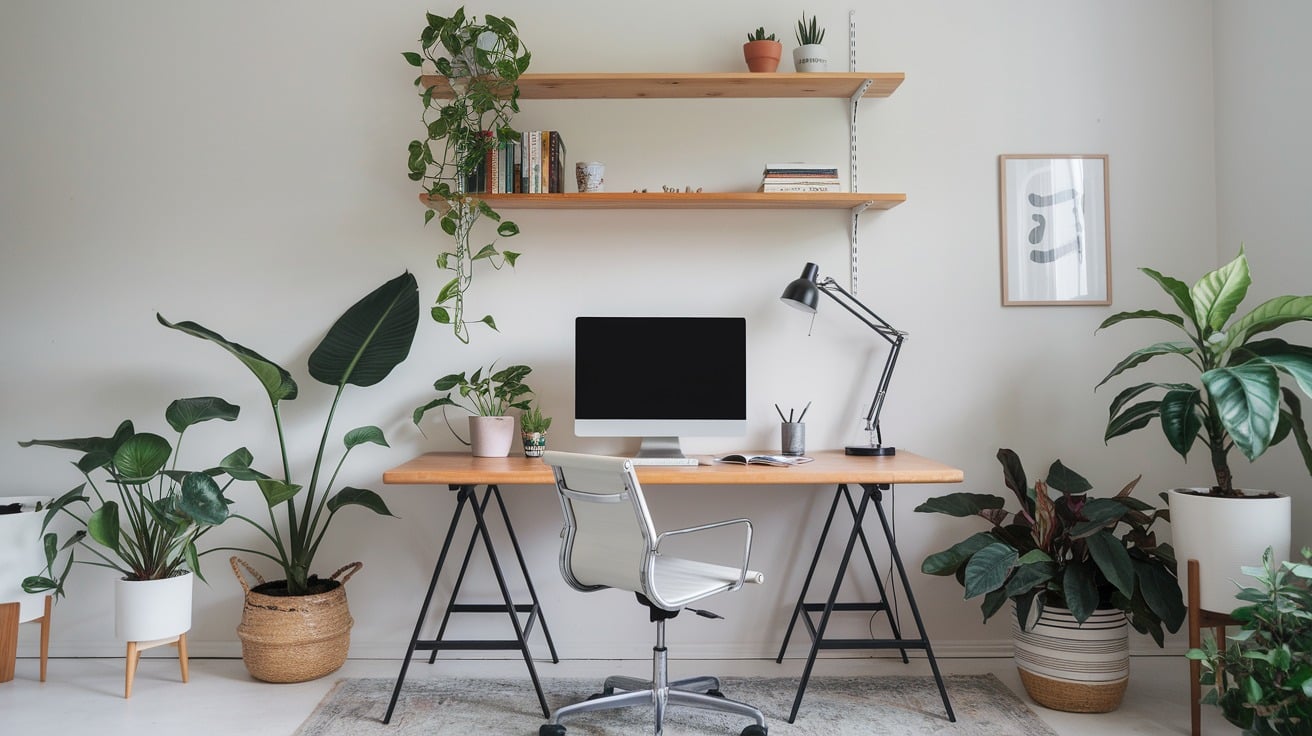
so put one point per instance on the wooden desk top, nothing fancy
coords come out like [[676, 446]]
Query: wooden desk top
[[830, 467]]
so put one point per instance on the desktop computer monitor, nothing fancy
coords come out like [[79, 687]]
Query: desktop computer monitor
[[659, 378]]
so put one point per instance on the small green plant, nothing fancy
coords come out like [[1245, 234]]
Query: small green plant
[[486, 393], [533, 421], [808, 34], [759, 35], [1262, 679]]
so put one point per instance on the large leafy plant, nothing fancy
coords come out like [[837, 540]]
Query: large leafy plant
[[361, 349], [1236, 399], [465, 120], [1067, 549], [486, 393], [137, 512], [1262, 676]]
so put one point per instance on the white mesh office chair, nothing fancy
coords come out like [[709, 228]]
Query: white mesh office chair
[[609, 542]]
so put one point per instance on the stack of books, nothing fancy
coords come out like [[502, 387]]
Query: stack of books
[[535, 164], [800, 177]]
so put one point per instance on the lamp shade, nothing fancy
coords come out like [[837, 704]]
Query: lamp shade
[[802, 292]]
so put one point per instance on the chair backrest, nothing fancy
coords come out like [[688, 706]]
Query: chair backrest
[[609, 539]]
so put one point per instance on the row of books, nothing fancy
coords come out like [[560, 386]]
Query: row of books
[[534, 164], [800, 177]]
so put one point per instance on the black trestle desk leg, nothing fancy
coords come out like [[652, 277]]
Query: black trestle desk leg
[[462, 496], [810, 573], [536, 611], [911, 599], [460, 577], [879, 583]]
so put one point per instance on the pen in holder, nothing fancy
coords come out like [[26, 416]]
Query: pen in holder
[[792, 438]]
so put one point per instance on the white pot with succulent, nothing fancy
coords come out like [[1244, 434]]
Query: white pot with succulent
[[490, 395], [810, 55]]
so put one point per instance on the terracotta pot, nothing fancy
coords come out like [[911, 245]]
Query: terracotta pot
[[491, 436], [762, 56], [1225, 534]]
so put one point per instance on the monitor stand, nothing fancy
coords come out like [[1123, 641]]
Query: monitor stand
[[661, 451]]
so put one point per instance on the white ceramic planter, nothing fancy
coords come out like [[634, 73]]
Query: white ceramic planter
[[149, 610], [812, 57], [491, 436], [1225, 534], [22, 555], [1072, 667]]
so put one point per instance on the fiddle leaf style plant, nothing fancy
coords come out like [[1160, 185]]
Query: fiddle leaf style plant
[[486, 393], [1235, 399], [1067, 549], [360, 349], [145, 516], [464, 122], [1262, 676]]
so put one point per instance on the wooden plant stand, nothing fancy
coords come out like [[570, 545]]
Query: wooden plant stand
[[135, 648], [9, 613], [1198, 620]]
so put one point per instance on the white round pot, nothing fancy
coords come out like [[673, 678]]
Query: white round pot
[[1225, 534], [1073, 667], [491, 436], [149, 610], [22, 555], [812, 57]]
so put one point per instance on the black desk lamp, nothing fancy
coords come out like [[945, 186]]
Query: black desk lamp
[[803, 293]]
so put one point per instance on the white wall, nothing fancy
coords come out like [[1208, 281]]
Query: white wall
[[243, 165]]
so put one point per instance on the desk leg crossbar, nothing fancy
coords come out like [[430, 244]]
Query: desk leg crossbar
[[468, 495], [803, 610]]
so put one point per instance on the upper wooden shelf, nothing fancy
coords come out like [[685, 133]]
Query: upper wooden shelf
[[688, 201], [630, 86]]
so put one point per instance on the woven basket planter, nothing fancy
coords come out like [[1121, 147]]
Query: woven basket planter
[[1071, 667], [294, 638]]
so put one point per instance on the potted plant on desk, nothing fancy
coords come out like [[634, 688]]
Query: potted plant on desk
[[1070, 576], [488, 394], [298, 628], [533, 431]]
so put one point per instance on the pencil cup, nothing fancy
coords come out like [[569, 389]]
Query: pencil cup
[[792, 438]]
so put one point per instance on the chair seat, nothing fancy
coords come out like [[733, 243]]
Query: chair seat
[[680, 582]]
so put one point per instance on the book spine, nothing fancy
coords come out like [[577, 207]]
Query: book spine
[[799, 188], [517, 167], [545, 184], [535, 161], [557, 155]]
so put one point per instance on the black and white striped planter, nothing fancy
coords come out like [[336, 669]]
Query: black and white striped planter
[[1072, 667]]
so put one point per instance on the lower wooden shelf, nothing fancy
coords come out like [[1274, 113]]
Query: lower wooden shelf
[[687, 201]]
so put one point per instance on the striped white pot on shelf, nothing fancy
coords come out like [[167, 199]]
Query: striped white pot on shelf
[[1072, 667]]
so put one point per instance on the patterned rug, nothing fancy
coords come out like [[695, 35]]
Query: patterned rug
[[833, 706]]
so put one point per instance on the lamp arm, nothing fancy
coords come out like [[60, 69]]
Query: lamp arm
[[877, 404], [880, 326]]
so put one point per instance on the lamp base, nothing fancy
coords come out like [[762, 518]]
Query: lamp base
[[870, 451]]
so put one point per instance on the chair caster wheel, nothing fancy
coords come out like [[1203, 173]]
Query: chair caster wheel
[[755, 730], [715, 693], [555, 729]]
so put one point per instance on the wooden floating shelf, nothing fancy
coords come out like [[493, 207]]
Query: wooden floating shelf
[[686, 201], [743, 85]]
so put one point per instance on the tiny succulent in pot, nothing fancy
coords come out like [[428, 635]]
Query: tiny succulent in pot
[[1069, 549], [759, 35], [486, 393], [533, 421], [809, 34], [1235, 397]]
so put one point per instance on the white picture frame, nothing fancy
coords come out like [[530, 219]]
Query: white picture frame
[[1055, 226]]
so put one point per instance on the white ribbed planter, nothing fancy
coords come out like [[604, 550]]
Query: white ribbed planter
[[150, 610], [21, 555], [491, 436], [1225, 534], [1072, 667]]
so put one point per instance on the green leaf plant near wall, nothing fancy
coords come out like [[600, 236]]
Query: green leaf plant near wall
[[482, 63]]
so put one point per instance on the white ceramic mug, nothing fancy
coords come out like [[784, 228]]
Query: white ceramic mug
[[590, 175]]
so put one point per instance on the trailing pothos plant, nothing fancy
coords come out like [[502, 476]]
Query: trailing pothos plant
[[468, 106], [360, 349], [1068, 549], [137, 512], [1261, 677], [1235, 399]]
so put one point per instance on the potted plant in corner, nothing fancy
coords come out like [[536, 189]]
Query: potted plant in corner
[[1262, 676], [21, 553], [468, 106], [1076, 568], [810, 55], [533, 431], [489, 395], [762, 51], [298, 628], [142, 520], [1234, 400]]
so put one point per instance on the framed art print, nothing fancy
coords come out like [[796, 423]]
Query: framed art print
[[1056, 245]]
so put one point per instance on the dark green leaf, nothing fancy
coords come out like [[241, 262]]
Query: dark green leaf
[[947, 561], [1013, 476], [993, 602], [184, 413], [1179, 292], [1181, 421], [1217, 294], [1142, 314], [1109, 554], [510, 256], [106, 445], [371, 338], [361, 435], [202, 499], [1247, 401], [507, 229], [277, 382], [1080, 589], [238, 465], [448, 290], [988, 568], [276, 491], [960, 504], [358, 497], [1161, 591], [142, 456], [1143, 355], [1066, 480], [441, 315], [1268, 316], [1027, 577], [414, 58], [1134, 417], [487, 320], [102, 525], [1098, 513]]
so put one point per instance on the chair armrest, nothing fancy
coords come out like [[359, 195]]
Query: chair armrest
[[747, 543]]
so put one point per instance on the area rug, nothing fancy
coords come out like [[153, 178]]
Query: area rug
[[833, 706]]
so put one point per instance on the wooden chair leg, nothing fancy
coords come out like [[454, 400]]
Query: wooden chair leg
[[8, 640], [1195, 641], [181, 644], [45, 637], [133, 656]]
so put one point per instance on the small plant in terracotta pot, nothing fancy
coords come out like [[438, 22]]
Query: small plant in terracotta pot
[[533, 430], [762, 51]]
